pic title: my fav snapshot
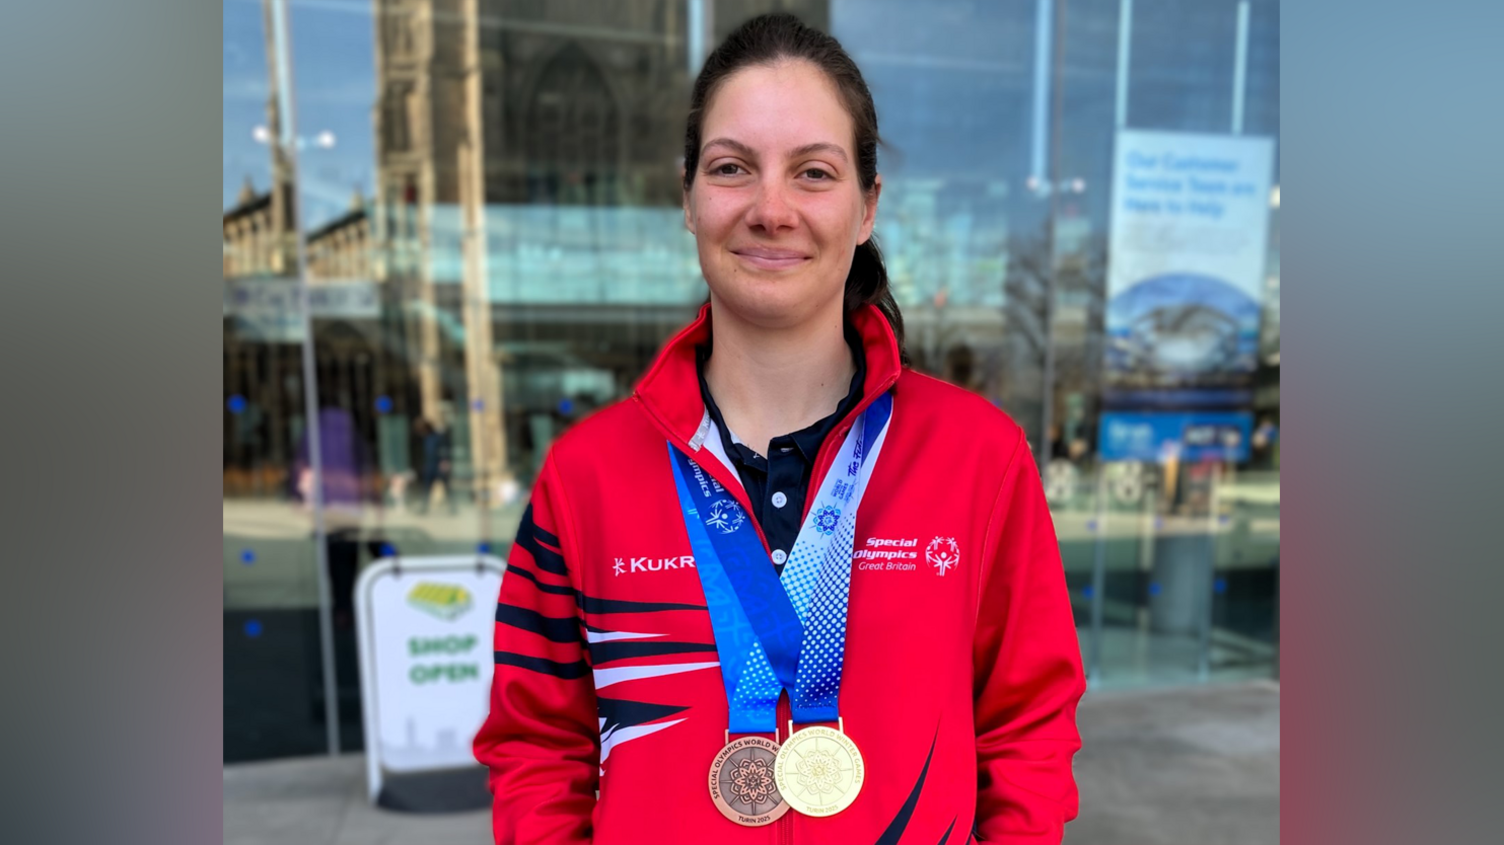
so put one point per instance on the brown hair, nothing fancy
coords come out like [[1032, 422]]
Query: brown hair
[[769, 39]]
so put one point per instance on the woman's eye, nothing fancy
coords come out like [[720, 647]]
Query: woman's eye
[[725, 169], [817, 174]]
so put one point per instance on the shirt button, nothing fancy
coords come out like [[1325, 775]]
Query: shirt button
[[779, 556], [779, 500]]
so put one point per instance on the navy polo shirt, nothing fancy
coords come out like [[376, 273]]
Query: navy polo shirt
[[777, 484]]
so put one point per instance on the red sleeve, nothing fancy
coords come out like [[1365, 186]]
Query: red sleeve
[[1027, 664], [541, 740]]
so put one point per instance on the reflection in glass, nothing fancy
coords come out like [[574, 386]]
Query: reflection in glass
[[495, 248]]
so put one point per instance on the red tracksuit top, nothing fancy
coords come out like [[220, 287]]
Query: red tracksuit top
[[961, 679]]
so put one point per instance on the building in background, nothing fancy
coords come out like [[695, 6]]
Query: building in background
[[513, 256]]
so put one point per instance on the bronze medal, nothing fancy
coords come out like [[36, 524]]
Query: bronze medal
[[741, 782], [819, 771]]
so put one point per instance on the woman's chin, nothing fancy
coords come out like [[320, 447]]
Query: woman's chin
[[771, 306]]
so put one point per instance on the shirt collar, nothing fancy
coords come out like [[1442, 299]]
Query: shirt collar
[[809, 438], [670, 390]]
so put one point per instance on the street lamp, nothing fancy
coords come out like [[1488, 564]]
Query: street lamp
[[324, 139]]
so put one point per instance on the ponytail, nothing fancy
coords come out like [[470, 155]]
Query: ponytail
[[867, 284]]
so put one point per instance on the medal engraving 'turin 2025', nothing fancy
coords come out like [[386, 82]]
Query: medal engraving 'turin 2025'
[[741, 782]]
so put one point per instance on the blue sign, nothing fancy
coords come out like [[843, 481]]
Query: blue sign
[[1194, 437]]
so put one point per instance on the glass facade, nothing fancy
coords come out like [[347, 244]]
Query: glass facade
[[452, 229]]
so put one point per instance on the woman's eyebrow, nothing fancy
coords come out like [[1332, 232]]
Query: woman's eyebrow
[[799, 152], [736, 146], [820, 147]]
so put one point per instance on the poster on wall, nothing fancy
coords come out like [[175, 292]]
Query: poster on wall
[[1186, 260]]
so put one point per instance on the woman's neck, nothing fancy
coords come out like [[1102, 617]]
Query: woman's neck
[[771, 382]]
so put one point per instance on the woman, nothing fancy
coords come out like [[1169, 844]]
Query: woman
[[696, 622]]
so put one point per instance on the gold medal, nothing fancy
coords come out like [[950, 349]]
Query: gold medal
[[741, 782], [819, 771]]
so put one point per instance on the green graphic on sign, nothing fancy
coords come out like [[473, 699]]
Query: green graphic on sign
[[446, 601]]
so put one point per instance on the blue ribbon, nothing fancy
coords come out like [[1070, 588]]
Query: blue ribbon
[[734, 637], [822, 657], [741, 585]]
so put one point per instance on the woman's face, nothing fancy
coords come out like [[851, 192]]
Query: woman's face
[[776, 206]]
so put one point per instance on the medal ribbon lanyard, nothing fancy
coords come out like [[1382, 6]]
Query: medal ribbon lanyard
[[751, 702], [788, 634], [825, 545]]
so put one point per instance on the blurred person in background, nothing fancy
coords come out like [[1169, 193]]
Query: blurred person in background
[[697, 637], [347, 489], [1060, 450], [1265, 445], [433, 464]]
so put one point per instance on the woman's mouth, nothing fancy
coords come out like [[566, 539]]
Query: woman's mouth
[[766, 258]]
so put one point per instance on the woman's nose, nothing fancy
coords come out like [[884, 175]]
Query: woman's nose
[[771, 209]]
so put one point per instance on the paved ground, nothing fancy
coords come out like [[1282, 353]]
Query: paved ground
[[1195, 766], [1189, 766]]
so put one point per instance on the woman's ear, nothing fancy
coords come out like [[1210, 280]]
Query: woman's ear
[[869, 215], [689, 222]]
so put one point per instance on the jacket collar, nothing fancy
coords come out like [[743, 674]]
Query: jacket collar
[[670, 390]]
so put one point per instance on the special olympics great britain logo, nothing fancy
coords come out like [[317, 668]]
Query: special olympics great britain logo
[[726, 515], [943, 553]]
